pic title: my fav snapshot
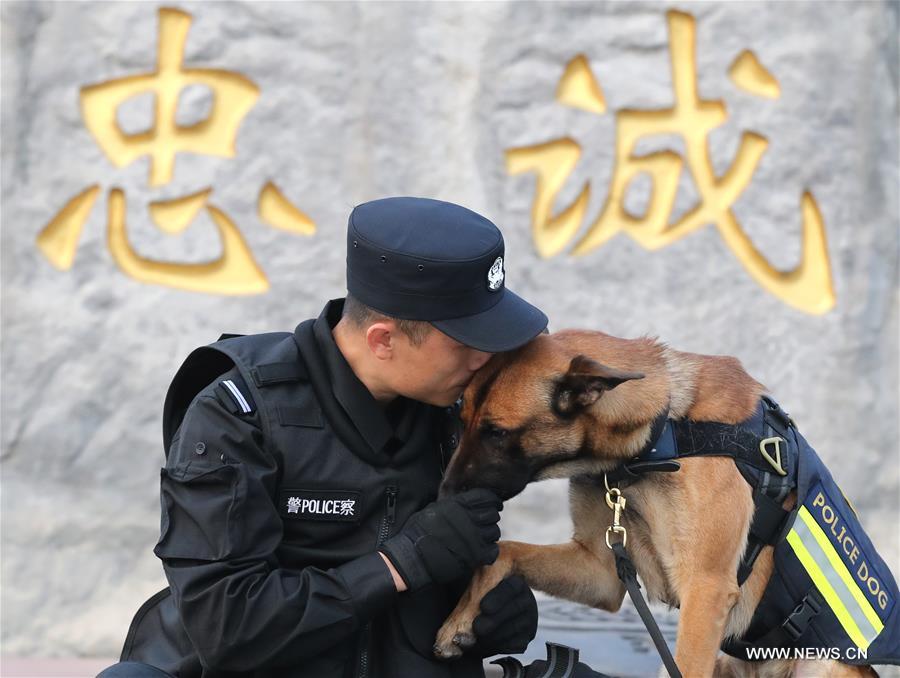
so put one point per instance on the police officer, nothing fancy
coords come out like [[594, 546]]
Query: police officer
[[301, 535]]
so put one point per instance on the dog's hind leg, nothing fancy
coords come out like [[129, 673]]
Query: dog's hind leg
[[569, 571]]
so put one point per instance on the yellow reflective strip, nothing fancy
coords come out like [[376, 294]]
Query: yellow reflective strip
[[841, 568], [825, 588]]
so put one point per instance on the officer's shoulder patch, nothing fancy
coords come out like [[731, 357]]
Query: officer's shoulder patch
[[234, 394]]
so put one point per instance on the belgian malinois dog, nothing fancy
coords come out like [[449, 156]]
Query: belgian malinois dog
[[578, 403]]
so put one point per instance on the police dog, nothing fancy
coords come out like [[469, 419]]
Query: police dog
[[578, 403]]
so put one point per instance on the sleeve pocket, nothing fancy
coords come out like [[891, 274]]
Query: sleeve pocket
[[200, 512]]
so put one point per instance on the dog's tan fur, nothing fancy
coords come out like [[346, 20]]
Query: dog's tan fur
[[686, 530]]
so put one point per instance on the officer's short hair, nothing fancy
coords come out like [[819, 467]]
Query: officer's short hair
[[361, 315]]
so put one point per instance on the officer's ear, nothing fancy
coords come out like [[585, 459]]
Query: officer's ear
[[379, 339]]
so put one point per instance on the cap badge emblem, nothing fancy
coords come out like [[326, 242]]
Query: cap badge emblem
[[495, 275]]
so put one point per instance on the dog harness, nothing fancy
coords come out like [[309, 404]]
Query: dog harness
[[830, 590]]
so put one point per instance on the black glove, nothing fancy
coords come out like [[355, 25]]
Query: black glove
[[447, 539], [508, 619]]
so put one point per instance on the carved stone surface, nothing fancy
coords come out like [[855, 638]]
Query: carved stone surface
[[358, 101]]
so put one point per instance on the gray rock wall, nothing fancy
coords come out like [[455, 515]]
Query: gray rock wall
[[358, 101]]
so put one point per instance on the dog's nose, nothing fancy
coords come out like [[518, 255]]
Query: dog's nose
[[449, 488], [445, 490]]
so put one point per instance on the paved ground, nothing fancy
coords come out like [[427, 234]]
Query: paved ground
[[615, 644]]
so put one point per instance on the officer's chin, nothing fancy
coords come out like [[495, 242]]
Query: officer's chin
[[447, 400], [437, 402]]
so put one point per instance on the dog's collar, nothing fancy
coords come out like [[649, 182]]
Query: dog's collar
[[659, 445], [658, 455]]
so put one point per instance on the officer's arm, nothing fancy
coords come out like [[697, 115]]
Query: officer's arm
[[220, 531], [399, 584]]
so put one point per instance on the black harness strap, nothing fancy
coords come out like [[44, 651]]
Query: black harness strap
[[628, 575], [768, 519], [769, 488], [712, 439], [783, 635]]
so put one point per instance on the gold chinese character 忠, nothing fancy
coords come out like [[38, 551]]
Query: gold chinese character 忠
[[233, 97], [236, 270]]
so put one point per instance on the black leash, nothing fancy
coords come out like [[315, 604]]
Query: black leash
[[628, 574]]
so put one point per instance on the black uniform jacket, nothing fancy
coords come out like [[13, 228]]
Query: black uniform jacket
[[271, 519]]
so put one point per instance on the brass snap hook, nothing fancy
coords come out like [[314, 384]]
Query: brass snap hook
[[616, 502]]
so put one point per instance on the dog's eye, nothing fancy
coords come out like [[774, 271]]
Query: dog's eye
[[494, 434]]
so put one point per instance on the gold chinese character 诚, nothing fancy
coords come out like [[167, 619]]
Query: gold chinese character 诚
[[807, 287]]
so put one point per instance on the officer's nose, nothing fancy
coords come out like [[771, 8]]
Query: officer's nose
[[478, 359]]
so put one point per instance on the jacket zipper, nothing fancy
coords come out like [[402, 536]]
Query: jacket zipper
[[384, 531]]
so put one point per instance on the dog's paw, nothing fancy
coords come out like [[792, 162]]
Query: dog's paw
[[464, 640], [446, 650], [452, 641]]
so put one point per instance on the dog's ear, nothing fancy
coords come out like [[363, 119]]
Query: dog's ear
[[585, 382]]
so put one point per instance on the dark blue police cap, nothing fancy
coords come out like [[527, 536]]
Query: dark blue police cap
[[422, 259]]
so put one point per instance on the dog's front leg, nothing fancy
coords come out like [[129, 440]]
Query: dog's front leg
[[705, 556], [456, 634], [706, 600], [569, 571]]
